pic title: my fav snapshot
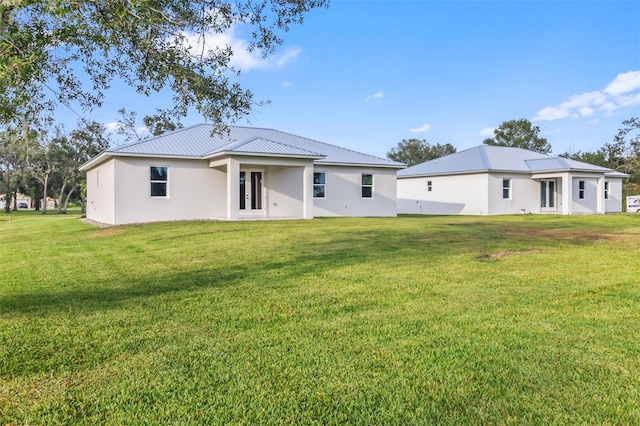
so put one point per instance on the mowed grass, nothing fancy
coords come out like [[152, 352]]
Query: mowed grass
[[414, 320]]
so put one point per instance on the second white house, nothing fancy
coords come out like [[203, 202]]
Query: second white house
[[493, 180]]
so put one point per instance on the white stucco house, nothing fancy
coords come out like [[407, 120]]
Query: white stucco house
[[245, 173], [493, 180]]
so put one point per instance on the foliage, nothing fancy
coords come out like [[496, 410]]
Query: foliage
[[415, 151], [520, 134], [48, 47], [410, 320]]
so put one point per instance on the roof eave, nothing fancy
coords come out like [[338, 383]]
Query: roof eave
[[104, 156], [385, 166], [261, 154]]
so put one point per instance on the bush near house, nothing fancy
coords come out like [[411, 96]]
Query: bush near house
[[414, 320]]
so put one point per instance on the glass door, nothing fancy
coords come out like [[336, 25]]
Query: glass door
[[548, 195], [251, 191]]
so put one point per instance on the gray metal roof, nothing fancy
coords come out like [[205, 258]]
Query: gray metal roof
[[497, 158], [197, 141]]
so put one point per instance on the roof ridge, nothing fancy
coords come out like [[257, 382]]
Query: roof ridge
[[150, 139]]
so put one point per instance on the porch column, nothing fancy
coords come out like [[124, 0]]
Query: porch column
[[233, 189], [600, 195], [307, 192], [567, 193]]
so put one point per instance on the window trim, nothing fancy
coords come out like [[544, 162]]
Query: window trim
[[606, 190], [159, 181], [429, 186], [506, 188], [581, 189], [363, 185], [323, 185]]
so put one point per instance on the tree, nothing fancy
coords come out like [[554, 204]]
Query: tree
[[161, 123], [520, 134], [72, 151], [415, 151], [152, 45]]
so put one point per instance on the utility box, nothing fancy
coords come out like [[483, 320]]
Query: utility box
[[633, 204]]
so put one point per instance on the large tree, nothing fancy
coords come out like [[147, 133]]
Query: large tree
[[520, 134], [52, 48], [415, 151]]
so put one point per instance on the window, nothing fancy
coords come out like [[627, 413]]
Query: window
[[581, 189], [319, 185], [159, 181], [429, 186], [367, 185], [506, 188], [606, 190]]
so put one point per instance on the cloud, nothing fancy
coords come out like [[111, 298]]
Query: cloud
[[242, 58], [421, 129], [286, 84], [618, 94], [624, 83], [111, 127], [487, 131], [377, 95]]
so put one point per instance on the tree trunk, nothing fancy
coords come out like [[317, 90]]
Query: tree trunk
[[7, 197], [60, 196], [66, 201], [44, 196], [15, 200]]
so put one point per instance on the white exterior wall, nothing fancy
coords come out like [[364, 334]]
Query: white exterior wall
[[284, 192], [101, 193], [615, 201], [343, 196], [194, 191], [525, 194], [450, 195], [591, 193]]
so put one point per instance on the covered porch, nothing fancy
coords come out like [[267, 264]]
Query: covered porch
[[258, 188], [569, 192]]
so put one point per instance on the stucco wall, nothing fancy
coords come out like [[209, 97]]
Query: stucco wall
[[450, 195], [194, 191], [589, 203], [344, 192], [101, 193], [615, 201], [284, 192], [525, 194]]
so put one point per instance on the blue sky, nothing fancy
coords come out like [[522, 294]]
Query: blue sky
[[366, 74]]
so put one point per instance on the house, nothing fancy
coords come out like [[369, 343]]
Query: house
[[492, 180], [245, 173], [22, 201]]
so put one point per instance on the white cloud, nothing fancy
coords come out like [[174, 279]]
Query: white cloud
[[242, 58], [111, 127], [377, 95], [487, 131], [421, 129], [615, 96], [286, 84], [624, 83]]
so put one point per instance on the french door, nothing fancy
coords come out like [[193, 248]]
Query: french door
[[251, 188], [548, 195]]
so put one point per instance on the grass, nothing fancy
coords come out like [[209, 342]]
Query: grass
[[414, 320]]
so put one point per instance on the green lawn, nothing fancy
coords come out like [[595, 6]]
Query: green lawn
[[414, 320]]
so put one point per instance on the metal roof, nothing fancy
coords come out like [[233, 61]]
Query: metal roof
[[199, 141], [484, 158]]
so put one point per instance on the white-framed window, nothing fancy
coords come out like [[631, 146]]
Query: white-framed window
[[429, 186], [606, 190], [159, 180], [506, 188], [319, 184], [581, 189], [367, 185]]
